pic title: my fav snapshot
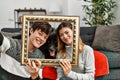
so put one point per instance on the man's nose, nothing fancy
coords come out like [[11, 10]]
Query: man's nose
[[42, 38]]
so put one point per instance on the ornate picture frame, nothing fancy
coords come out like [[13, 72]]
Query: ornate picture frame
[[55, 19]]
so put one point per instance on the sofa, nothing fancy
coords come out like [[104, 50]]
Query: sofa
[[88, 35]]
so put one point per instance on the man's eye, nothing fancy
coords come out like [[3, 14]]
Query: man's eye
[[48, 41], [40, 33], [45, 37]]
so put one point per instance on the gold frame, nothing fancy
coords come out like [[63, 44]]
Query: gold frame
[[25, 36]]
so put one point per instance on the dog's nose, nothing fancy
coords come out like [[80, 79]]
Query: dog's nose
[[51, 50]]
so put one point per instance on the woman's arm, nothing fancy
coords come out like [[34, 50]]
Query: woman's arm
[[87, 66]]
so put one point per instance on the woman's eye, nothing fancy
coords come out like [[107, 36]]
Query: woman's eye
[[66, 32], [61, 35]]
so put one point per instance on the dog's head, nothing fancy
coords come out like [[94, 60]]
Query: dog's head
[[50, 47]]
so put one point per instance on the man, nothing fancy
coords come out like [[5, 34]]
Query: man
[[11, 51]]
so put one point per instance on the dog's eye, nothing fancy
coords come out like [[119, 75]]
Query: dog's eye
[[48, 41]]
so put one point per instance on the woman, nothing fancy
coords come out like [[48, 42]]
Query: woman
[[86, 68]]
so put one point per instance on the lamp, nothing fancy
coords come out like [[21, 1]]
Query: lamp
[[54, 8]]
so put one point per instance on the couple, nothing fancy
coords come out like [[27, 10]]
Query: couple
[[39, 33]]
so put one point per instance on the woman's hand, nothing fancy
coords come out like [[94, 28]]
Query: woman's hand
[[33, 68], [66, 66]]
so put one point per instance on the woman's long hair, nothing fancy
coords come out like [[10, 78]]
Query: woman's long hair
[[61, 45]]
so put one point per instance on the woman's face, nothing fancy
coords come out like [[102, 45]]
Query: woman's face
[[66, 35]]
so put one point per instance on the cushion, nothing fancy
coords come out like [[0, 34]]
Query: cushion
[[87, 34], [12, 30], [0, 57], [107, 38], [113, 58], [10, 34], [101, 64], [49, 73]]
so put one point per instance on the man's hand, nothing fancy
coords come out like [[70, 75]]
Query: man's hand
[[33, 68]]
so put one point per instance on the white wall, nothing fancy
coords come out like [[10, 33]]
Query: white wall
[[75, 7], [7, 8], [69, 7], [117, 13]]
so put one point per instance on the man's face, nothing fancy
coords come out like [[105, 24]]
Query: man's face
[[37, 38]]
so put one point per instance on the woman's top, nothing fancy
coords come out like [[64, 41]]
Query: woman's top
[[85, 69]]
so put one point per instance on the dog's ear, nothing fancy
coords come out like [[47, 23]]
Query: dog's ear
[[52, 29], [55, 30]]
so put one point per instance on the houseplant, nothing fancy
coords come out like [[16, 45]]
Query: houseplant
[[99, 12]]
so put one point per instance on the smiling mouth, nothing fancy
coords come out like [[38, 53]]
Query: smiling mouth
[[66, 40], [38, 42]]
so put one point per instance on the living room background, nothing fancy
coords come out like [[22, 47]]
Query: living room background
[[68, 7]]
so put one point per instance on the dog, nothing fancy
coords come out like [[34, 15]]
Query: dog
[[49, 49]]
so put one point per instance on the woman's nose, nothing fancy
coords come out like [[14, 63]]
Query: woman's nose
[[65, 36]]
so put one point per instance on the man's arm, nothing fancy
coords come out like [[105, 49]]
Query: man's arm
[[1, 38], [33, 68], [4, 43], [38, 78]]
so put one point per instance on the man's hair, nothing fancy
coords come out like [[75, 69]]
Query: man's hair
[[44, 26]]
